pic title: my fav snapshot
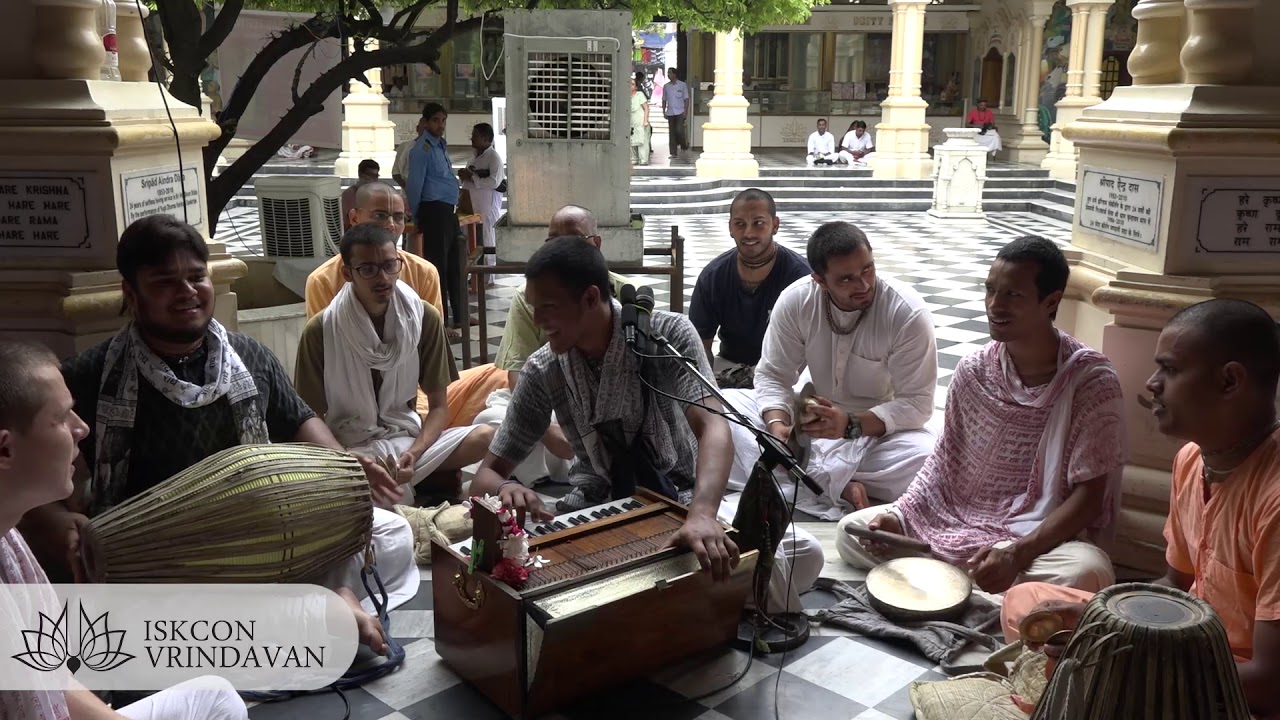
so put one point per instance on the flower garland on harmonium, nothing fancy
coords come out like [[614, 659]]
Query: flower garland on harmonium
[[514, 563]]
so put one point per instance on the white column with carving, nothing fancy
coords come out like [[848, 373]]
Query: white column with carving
[[1088, 26], [367, 130], [726, 136], [959, 175], [902, 136]]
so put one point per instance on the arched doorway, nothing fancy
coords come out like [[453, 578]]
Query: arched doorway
[[992, 77]]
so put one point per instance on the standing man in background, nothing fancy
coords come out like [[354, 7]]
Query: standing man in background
[[433, 193], [675, 105], [483, 177]]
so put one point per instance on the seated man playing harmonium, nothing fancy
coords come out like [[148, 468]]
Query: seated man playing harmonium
[[362, 361], [521, 337], [631, 426], [1217, 365], [1026, 475], [381, 204], [737, 290], [174, 387]]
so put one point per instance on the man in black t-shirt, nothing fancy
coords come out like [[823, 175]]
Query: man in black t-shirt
[[735, 292], [174, 387]]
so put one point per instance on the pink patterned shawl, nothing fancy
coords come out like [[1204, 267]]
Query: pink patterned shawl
[[19, 567], [1008, 455]]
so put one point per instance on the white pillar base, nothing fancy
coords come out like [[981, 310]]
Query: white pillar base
[[960, 173], [367, 134], [1025, 145], [1061, 160], [902, 141]]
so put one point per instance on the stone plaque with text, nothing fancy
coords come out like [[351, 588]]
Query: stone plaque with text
[[44, 211], [1121, 205], [1236, 214], [161, 191]]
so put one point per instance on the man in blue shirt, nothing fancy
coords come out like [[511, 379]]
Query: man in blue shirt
[[675, 105], [736, 291], [433, 193]]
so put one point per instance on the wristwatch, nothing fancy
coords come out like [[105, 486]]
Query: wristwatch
[[853, 430]]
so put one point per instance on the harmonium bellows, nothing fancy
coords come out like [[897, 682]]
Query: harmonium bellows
[[606, 603]]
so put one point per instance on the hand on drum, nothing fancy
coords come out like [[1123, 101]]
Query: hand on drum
[[995, 569], [1048, 619], [523, 501], [706, 537]]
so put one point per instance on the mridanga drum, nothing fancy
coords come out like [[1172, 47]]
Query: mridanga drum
[[1145, 652], [274, 513]]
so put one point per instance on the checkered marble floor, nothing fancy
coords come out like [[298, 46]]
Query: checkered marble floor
[[836, 675]]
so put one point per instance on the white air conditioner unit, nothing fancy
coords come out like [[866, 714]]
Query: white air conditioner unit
[[300, 215]]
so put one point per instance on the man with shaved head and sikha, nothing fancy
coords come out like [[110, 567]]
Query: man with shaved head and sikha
[[1214, 386]]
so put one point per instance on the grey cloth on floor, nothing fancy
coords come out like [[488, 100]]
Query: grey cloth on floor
[[940, 641]]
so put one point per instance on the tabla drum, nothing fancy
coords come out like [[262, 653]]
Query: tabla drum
[[1145, 652], [918, 588], [275, 513]]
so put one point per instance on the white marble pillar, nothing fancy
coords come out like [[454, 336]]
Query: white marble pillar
[[726, 136], [1088, 25], [367, 130], [902, 136], [1025, 143], [1155, 57]]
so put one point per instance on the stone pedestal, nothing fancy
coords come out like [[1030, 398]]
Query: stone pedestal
[[902, 136], [1088, 26], [367, 130], [726, 137], [960, 172], [1024, 143], [80, 159]]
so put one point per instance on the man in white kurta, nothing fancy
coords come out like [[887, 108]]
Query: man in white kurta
[[482, 177], [822, 147], [857, 148], [868, 345], [361, 361]]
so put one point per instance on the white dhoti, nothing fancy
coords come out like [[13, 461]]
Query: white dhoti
[[864, 161], [393, 550], [204, 698], [431, 460], [488, 203], [540, 463], [885, 466], [828, 157], [1075, 564], [796, 563], [989, 140]]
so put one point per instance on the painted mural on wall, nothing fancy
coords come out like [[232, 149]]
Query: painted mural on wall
[[1053, 64], [1121, 34]]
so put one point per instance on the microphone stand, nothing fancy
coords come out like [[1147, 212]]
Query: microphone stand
[[773, 633]]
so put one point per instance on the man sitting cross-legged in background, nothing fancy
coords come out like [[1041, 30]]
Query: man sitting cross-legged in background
[[822, 146], [39, 432], [172, 388], [626, 436], [379, 203], [521, 337], [868, 344], [1217, 365], [361, 361], [736, 291], [1026, 474], [857, 147]]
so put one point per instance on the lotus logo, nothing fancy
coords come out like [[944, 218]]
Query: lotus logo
[[48, 647]]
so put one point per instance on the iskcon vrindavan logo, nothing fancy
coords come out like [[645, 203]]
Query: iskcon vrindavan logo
[[49, 646]]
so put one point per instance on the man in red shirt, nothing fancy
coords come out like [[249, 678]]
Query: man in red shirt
[[982, 118]]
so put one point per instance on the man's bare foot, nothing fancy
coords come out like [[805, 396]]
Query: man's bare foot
[[856, 495]]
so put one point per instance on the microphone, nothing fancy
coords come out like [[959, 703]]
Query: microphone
[[636, 306]]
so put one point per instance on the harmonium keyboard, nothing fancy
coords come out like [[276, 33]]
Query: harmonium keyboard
[[611, 604]]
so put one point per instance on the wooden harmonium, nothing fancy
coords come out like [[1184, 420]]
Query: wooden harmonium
[[603, 604]]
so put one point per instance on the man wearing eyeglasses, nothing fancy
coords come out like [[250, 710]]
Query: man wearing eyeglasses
[[361, 362], [379, 203]]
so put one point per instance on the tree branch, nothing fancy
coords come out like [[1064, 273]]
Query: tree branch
[[220, 28], [297, 71], [372, 9], [224, 186]]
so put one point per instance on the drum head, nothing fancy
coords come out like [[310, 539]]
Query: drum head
[[919, 586], [1154, 610]]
